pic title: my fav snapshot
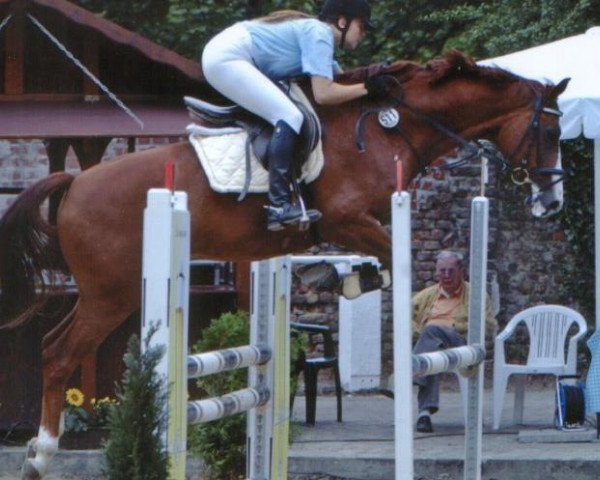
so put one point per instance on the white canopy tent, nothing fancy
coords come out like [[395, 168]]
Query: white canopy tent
[[577, 57]]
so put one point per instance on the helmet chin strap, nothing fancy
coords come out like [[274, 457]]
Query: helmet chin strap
[[344, 31]]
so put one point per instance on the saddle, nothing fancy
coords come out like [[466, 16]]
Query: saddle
[[219, 120]]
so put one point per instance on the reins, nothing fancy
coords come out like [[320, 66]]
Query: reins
[[476, 149]]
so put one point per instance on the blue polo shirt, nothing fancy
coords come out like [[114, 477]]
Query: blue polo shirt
[[292, 48]]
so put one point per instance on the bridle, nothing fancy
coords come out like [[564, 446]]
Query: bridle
[[475, 149], [533, 133]]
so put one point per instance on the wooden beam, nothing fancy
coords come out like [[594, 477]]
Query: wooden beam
[[14, 52], [56, 150], [89, 151]]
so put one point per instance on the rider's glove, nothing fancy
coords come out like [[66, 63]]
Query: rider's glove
[[378, 87]]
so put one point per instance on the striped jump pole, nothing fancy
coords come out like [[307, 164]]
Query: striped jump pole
[[203, 364], [449, 360], [406, 365], [165, 297]]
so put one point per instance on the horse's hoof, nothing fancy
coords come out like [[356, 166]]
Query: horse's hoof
[[351, 286], [386, 278], [31, 448], [29, 472]]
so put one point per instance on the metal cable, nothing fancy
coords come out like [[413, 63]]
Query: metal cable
[[5, 21], [89, 74]]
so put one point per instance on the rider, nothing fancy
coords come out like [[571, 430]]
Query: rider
[[245, 61]]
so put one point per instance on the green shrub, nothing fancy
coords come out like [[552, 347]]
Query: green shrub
[[134, 450], [222, 444]]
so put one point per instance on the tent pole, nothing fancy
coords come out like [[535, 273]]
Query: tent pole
[[597, 225]]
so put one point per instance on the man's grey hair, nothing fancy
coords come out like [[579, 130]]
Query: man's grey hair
[[444, 254]]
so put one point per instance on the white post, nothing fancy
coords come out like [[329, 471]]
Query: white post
[[268, 425], [597, 224], [402, 291], [165, 297], [476, 335], [359, 340]]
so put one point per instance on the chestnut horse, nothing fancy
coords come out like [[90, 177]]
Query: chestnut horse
[[98, 229]]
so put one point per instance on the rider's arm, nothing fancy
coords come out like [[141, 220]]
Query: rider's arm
[[327, 92]]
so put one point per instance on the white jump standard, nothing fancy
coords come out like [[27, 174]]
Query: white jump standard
[[165, 296], [471, 356]]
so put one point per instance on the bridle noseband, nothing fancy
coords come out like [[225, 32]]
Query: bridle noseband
[[519, 175]]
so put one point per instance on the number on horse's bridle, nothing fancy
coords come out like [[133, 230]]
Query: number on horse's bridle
[[519, 175]]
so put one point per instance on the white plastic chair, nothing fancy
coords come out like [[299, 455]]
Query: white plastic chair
[[548, 326]]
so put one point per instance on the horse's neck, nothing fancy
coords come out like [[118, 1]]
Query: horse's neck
[[473, 111]]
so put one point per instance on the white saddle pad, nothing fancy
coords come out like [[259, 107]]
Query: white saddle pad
[[223, 158]]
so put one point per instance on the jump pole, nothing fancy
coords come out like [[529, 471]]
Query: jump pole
[[165, 296], [406, 365]]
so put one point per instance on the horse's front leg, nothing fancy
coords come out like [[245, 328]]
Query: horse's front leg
[[361, 233]]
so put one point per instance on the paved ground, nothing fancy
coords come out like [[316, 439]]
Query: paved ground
[[362, 448]]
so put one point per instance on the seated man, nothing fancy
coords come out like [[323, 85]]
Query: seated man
[[440, 317]]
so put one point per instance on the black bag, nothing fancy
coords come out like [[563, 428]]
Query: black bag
[[570, 403]]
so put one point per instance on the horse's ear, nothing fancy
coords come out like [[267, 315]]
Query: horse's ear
[[453, 64], [460, 61], [560, 88]]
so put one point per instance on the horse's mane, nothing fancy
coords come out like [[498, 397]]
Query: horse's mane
[[439, 71]]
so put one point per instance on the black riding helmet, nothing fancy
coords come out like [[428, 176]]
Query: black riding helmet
[[351, 9]]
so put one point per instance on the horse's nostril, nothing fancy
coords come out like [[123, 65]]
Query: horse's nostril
[[555, 205]]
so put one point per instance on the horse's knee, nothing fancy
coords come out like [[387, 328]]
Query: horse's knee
[[57, 370]]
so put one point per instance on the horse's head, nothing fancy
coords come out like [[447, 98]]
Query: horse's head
[[529, 139], [451, 101]]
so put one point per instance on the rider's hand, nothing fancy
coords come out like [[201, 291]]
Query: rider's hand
[[378, 87]]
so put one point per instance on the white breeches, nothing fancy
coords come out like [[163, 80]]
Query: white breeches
[[227, 65]]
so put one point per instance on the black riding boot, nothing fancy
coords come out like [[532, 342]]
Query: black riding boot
[[281, 211]]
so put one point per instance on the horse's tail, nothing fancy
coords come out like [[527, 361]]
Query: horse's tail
[[30, 253]]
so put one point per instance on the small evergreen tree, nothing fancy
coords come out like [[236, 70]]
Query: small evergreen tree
[[134, 450]]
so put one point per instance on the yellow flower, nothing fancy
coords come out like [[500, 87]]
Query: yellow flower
[[75, 397]]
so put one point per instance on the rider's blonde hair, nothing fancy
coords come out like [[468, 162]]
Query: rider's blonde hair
[[283, 15]]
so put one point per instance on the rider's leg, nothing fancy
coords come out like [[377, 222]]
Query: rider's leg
[[227, 61], [280, 154], [228, 66]]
